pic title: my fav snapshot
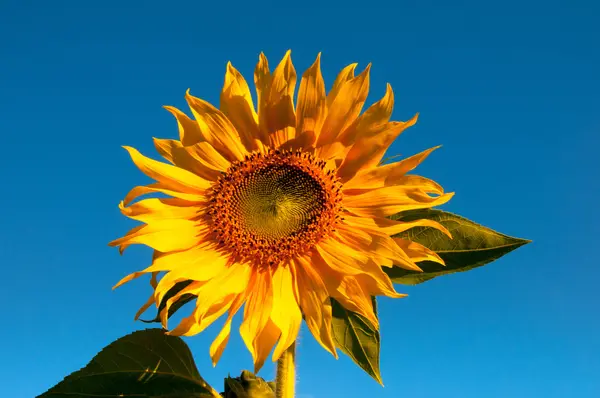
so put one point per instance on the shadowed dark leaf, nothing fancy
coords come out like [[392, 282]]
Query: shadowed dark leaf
[[357, 338], [472, 245], [145, 363]]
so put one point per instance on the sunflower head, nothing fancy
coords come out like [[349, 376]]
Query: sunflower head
[[279, 208]]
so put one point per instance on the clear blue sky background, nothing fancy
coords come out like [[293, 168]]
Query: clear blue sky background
[[507, 87]]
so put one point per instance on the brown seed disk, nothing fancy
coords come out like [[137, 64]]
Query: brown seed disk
[[271, 207]]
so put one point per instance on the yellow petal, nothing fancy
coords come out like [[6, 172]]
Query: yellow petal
[[163, 235], [345, 289], [378, 285], [171, 261], [388, 174], [198, 323], [201, 263], [220, 342], [376, 281], [216, 128], [206, 154], [189, 132], [236, 104], [262, 82], [345, 74], [311, 109], [149, 210], [337, 260], [418, 182], [336, 150], [386, 201], [315, 304], [177, 154], [169, 176], [371, 121], [161, 188], [150, 300], [285, 313], [257, 310], [366, 153], [280, 114], [186, 327], [345, 107], [220, 291], [418, 252], [391, 227], [264, 343], [369, 272], [376, 244], [166, 284], [407, 181]]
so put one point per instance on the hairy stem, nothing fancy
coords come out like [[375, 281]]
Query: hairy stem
[[285, 381]]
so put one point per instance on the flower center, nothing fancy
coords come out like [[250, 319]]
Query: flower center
[[271, 207]]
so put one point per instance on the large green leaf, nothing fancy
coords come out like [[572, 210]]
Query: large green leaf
[[145, 363], [357, 338], [181, 301], [472, 245]]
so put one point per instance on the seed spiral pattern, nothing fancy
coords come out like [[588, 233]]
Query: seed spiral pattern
[[270, 207]]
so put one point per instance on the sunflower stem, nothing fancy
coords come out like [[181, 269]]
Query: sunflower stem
[[285, 381]]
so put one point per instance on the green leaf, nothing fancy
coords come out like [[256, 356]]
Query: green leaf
[[357, 338], [181, 301], [145, 363], [248, 386], [472, 245]]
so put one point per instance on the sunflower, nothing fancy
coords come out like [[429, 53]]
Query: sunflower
[[279, 209]]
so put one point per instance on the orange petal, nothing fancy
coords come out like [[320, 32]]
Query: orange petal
[[216, 128], [177, 154], [370, 273], [280, 113], [386, 201], [315, 304], [376, 244], [407, 181], [345, 74], [388, 174], [189, 132], [262, 82], [206, 154], [392, 227], [345, 107], [311, 109], [345, 289], [366, 153], [236, 104], [371, 121], [336, 258], [418, 252]]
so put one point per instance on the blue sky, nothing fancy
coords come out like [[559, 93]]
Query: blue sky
[[507, 87]]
